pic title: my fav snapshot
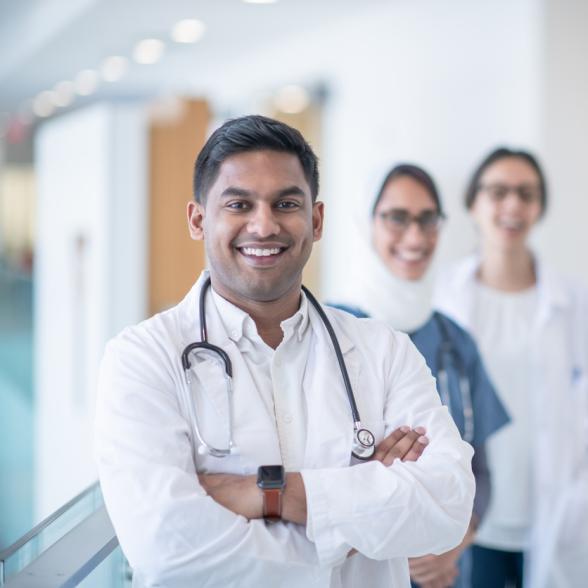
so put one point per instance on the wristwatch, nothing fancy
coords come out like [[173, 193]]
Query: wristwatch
[[272, 481]]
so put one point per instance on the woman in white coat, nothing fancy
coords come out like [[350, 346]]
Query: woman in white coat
[[531, 326]]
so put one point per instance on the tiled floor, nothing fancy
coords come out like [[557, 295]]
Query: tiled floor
[[16, 406]]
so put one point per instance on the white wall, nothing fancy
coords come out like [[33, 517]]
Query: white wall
[[563, 239], [91, 168]]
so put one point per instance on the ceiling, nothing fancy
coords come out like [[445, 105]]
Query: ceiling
[[43, 42]]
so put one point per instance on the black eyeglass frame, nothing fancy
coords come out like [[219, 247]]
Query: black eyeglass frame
[[527, 193], [428, 221]]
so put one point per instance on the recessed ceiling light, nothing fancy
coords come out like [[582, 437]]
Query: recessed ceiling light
[[86, 82], [63, 93], [43, 105], [292, 99], [260, 1], [148, 51], [114, 68], [189, 30]]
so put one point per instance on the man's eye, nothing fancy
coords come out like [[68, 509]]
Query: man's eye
[[288, 204], [238, 205]]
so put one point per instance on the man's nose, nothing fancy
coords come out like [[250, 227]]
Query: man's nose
[[263, 221]]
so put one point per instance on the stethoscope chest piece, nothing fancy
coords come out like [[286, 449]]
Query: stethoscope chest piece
[[364, 443]]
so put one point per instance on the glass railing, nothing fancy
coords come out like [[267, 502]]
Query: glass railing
[[74, 546]]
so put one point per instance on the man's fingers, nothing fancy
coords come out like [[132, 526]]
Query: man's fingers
[[403, 447], [389, 442], [417, 449], [403, 443]]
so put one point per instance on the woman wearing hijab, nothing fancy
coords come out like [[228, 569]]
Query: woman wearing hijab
[[396, 287]]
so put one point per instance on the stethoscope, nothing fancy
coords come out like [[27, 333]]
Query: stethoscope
[[446, 354], [363, 444]]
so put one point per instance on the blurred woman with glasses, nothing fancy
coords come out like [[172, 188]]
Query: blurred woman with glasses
[[395, 285], [532, 329]]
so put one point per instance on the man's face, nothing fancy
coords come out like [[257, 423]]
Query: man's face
[[258, 223]]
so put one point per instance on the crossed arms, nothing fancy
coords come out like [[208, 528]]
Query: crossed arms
[[176, 530], [241, 495]]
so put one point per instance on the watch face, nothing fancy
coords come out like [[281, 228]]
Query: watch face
[[365, 437], [272, 476]]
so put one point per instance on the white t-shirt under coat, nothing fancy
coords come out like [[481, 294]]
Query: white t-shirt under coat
[[503, 326]]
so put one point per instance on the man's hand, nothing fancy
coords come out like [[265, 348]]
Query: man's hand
[[239, 494], [404, 443]]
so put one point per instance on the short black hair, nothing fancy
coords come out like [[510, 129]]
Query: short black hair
[[416, 173], [252, 133], [505, 153]]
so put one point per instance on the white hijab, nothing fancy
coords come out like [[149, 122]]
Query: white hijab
[[405, 305]]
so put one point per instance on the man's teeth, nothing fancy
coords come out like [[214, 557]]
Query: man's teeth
[[261, 252]]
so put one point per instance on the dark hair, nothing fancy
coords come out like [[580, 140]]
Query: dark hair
[[497, 155], [416, 173], [252, 133]]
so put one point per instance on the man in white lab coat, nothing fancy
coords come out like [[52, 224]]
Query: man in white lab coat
[[185, 517]]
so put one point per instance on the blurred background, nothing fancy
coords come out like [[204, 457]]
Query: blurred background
[[104, 105]]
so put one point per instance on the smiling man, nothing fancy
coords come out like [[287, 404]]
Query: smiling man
[[327, 460]]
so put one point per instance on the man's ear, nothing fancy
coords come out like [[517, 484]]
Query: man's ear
[[195, 212], [318, 216]]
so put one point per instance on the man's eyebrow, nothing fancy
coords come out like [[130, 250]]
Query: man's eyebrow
[[234, 191], [291, 191]]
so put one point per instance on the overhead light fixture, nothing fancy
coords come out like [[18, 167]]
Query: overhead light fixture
[[43, 104], [260, 1], [114, 68], [188, 30], [63, 93], [86, 82], [292, 99], [148, 51]]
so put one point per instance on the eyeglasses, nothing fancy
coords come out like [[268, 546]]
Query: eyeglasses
[[398, 220], [527, 193]]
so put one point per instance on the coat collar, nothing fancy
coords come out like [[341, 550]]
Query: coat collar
[[190, 326]]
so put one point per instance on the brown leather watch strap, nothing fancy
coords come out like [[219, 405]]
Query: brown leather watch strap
[[272, 504]]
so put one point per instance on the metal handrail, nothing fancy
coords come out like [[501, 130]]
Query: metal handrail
[[72, 558], [72, 551], [12, 549]]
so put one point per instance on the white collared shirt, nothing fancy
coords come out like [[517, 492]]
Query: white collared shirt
[[277, 373]]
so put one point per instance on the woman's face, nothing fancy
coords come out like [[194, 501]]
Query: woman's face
[[508, 203], [406, 247]]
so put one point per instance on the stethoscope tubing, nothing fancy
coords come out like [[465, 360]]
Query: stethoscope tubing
[[338, 353], [360, 449], [445, 354]]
